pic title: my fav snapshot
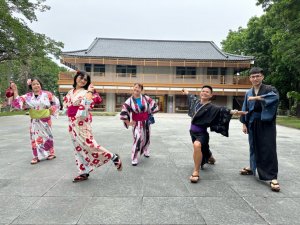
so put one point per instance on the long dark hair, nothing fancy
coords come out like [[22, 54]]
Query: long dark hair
[[38, 80], [82, 74]]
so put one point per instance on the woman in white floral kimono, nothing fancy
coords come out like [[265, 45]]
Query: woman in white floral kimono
[[88, 153], [140, 108], [42, 105]]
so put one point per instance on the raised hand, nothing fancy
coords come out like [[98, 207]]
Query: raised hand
[[184, 91], [238, 113], [91, 88]]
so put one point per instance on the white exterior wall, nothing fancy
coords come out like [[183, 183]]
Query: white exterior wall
[[110, 102]]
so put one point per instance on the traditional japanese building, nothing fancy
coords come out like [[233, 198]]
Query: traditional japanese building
[[164, 67]]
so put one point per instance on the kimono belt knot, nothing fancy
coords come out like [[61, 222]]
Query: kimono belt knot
[[140, 116], [39, 114]]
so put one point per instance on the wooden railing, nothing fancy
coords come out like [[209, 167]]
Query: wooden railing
[[164, 78]]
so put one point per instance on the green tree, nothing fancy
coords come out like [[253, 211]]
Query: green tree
[[17, 40], [273, 39]]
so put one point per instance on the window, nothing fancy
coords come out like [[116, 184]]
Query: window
[[120, 99], [99, 70], [180, 104], [126, 71], [223, 71], [212, 73], [88, 67], [186, 72]]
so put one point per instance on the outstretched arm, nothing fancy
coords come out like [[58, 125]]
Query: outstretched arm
[[184, 91], [237, 113]]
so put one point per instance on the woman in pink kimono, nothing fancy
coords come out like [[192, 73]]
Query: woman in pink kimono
[[42, 105], [139, 107], [88, 153]]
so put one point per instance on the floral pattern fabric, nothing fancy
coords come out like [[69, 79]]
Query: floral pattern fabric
[[88, 153], [40, 129]]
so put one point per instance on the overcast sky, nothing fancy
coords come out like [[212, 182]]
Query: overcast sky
[[78, 22]]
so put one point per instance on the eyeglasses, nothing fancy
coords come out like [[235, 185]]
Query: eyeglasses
[[255, 76]]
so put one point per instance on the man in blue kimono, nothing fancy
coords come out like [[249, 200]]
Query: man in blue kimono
[[261, 103]]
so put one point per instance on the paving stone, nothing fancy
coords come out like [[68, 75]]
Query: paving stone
[[157, 191], [113, 210], [12, 206], [227, 210], [170, 210], [54, 210], [277, 210]]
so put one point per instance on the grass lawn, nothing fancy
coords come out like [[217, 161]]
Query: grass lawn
[[95, 113], [24, 113], [287, 121], [14, 113]]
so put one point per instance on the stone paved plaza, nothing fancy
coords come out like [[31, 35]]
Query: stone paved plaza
[[157, 191]]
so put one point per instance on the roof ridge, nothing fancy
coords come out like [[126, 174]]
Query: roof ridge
[[153, 40], [244, 56], [83, 50], [219, 50], [92, 45]]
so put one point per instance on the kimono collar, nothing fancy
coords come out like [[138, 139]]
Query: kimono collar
[[196, 111], [137, 108], [40, 92]]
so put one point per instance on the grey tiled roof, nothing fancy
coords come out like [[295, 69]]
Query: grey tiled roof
[[155, 49]]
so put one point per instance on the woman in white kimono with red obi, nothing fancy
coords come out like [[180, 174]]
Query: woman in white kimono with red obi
[[88, 153], [140, 108], [42, 105]]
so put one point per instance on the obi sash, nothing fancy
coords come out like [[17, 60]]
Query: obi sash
[[39, 114], [72, 110], [197, 129], [140, 116]]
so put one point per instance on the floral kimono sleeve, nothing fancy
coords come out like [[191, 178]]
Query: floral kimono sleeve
[[86, 105], [55, 104], [19, 102]]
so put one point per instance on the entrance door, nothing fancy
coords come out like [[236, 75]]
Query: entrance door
[[160, 100]]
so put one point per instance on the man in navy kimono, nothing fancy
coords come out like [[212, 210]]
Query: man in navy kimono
[[205, 115], [261, 102]]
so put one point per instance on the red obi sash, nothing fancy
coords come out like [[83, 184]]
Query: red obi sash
[[72, 110], [140, 116]]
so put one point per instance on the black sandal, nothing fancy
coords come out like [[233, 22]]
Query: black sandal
[[118, 163], [81, 177]]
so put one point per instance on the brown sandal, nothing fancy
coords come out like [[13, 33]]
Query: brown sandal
[[211, 160], [50, 157], [194, 178], [275, 185], [81, 177], [34, 161], [246, 171]]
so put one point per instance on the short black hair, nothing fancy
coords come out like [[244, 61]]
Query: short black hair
[[38, 80], [140, 85], [82, 74], [209, 87], [255, 70]]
